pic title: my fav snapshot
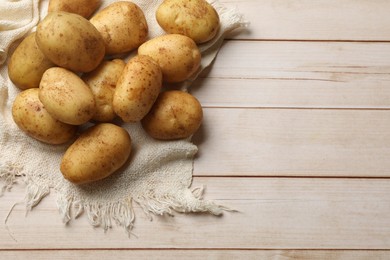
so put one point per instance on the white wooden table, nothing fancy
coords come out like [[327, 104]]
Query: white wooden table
[[296, 137]]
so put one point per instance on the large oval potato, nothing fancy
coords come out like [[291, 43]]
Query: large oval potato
[[96, 154], [196, 19], [70, 41], [81, 7], [175, 115], [31, 117], [102, 82], [137, 88], [27, 64], [66, 97], [122, 25], [178, 56]]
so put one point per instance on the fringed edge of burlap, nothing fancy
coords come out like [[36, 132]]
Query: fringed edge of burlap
[[105, 214], [185, 201], [102, 214], [9, 173], [12, 173]]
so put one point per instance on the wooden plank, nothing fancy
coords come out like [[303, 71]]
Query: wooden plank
[[197, 254], [294, 142], [292, 93], [358, 20], [298, 74], [275, 213]]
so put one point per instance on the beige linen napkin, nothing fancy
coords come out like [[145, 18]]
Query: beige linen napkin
[[158, 175]]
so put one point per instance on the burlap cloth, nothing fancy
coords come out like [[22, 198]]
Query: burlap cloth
[[158, 175]]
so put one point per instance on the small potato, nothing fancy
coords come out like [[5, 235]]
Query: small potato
[[137, 88], [31, 117], [102, 82], [122, 25], [27, 64], [96, 154], [196, 19], [70, 41], [178, 56], [66, 97], [174, 115], [81, 7]]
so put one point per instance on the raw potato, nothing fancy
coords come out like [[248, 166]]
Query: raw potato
[[102, 82], [66, 97], [196, 19], [70, 41], [178, 56], [137, 88], [81, 7], [174, 115], [27, 64], [122, 25], [96, 154], [31, 117]]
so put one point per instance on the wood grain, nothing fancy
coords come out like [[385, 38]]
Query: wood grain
[[197, 254], [275, 213], [347, 20], [294, 142], [298, 74]]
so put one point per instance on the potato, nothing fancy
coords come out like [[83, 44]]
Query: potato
[[27, 64], [102, 82], [196, 19], [31, 117], [96, 154], [137, 88], [70, 41], [66, 97], [177, 55], [122, 25], [175, 115], [81, 7]]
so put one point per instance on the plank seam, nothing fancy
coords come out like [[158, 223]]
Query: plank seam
[[297, 108], [187, 249], [307, 40], [293, 177]]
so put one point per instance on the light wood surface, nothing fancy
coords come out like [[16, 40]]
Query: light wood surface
[[324, 20], [296, 137]]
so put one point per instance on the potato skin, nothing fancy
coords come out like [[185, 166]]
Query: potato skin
[[81, 7], [196, 19], [123, 26], [175, 115], [178, 56], [66, 97], [27, 64], [70, 41], [102, 82], [30, 116], [137, 88], [96, 154]]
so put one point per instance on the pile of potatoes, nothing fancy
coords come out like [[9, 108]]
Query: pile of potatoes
[[68, 78]]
